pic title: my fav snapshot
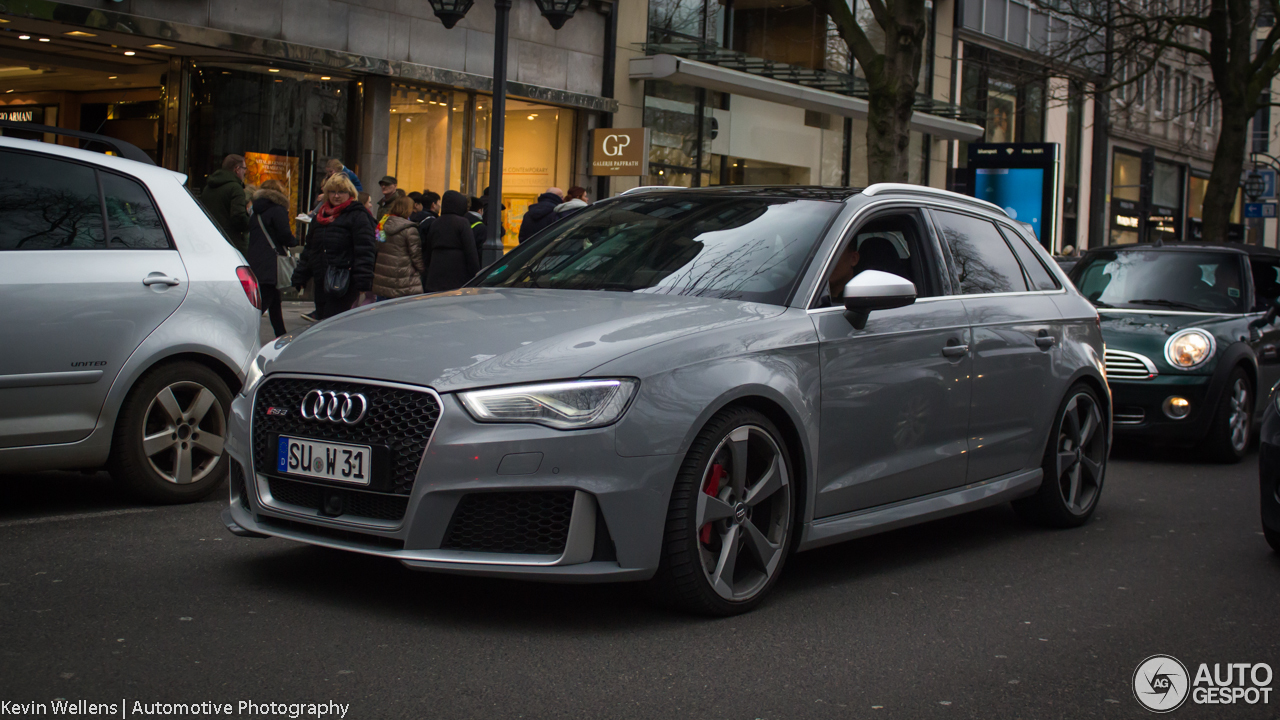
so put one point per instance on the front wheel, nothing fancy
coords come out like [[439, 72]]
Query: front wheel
[[168, 441], [1228, 438], [729, 524], [1075, 462], [1273, 538]]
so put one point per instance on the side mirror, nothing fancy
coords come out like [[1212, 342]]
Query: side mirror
[[875, 290]]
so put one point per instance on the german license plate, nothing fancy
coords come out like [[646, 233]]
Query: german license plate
[[329, 461]]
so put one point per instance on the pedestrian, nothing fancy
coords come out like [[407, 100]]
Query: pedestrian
[[341, 240], [541, 214], [398, 270], [453, 260], [224, 199], [388, 185], [475, 216], [269, 236], [366, 201], [334, 165], [430, 211], [577, 199]]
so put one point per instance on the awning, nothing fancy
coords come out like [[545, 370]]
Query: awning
[[713, 77]]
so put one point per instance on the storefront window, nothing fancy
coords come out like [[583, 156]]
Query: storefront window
[[427, 147], [1126, 192], [538, 149], [243, 109]]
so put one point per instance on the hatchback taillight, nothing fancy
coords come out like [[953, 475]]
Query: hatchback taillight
[[250, 285]]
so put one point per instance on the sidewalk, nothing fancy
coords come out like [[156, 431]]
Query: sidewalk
[[292, 321]]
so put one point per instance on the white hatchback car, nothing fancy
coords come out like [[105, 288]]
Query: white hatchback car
[[126, 321]]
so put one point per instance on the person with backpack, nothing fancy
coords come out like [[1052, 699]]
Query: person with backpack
[[398, 270], [269, 238]]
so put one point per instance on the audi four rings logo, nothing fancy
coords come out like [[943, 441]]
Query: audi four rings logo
[[330, 406], [614, 144]]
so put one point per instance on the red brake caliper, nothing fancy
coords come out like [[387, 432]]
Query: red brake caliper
[[712, 488]]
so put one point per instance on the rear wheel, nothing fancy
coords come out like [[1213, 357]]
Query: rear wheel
[[1075, 463], [168, 442], [728, 527], [1228, 438]]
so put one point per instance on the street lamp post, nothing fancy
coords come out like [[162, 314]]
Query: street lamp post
[[557, 12]]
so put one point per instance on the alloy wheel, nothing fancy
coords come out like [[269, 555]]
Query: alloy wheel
[[183, 432], [743, 513], [1239, 418], [1082, 453]]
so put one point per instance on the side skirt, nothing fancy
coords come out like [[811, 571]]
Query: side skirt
[[829, 530]]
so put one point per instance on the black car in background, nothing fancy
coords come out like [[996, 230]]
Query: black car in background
[[1269, 470], [1191, 335]]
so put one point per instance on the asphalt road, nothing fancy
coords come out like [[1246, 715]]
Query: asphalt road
[[976, 616]]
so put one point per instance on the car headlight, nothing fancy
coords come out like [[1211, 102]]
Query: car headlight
[[1189, 348], [570, 405]]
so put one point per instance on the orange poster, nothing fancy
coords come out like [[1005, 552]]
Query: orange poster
[[263, 167]]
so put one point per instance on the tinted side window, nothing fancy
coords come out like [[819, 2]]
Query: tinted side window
[[1040, 277], [48, 204], [984, 263], [131, 217], [1266, 282]]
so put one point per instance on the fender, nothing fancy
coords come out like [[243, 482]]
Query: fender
[[1238, 353]]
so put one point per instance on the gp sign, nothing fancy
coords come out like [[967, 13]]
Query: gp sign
[[620, 151]]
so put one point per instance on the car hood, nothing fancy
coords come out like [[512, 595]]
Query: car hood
[[478, 337], [1146, 333]]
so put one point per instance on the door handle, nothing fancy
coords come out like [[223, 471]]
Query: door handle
[[159, 279], [955, 351], [1044, 342]]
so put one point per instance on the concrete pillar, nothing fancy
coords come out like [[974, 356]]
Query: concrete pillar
[[375, 131]]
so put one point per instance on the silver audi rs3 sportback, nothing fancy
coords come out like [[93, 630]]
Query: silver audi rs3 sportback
[[126, 320], [684, 387]]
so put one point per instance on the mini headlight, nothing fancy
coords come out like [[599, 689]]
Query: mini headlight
[[571, 405], [1189, 348]]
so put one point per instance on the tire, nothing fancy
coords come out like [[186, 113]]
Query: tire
[[1273, 538], [726, 565], [1075, 464], [168, 442], [1228, 438]]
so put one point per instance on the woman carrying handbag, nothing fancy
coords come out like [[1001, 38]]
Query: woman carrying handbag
[[341, 251], [269, 236]]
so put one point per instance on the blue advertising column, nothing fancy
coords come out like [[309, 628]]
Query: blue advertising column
[[1021, 178]]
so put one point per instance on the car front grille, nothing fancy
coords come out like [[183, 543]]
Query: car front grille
[[398, 418], [532, 523], [1123, 365], [358, 503]]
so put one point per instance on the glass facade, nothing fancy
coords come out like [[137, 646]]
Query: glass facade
[[427, 144]]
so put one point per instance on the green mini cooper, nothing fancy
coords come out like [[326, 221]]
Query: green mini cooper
[[1191, 333]]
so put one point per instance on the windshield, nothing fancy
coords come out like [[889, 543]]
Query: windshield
[[1171, 280], [751, 249]]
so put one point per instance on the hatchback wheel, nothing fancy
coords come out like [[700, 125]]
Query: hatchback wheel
[[1228, 438], [1075, 463], [168, 443], [729, 525]]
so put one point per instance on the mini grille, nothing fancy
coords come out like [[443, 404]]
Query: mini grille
[[354, 502], [532, 523], [399, 419], [1128, 366]]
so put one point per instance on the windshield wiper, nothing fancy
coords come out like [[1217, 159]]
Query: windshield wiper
[[1167, 303]]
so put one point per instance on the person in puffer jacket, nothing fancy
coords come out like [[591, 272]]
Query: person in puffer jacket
[[342, 237], [398, 270], [541, 214]]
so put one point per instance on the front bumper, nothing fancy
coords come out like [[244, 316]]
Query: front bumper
[[615, 526], [1138, 407]]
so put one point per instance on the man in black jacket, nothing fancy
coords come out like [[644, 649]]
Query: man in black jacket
[[541, 214]]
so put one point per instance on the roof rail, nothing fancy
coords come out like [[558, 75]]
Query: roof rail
[[120, 147], [932, 192], [642, 188]]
